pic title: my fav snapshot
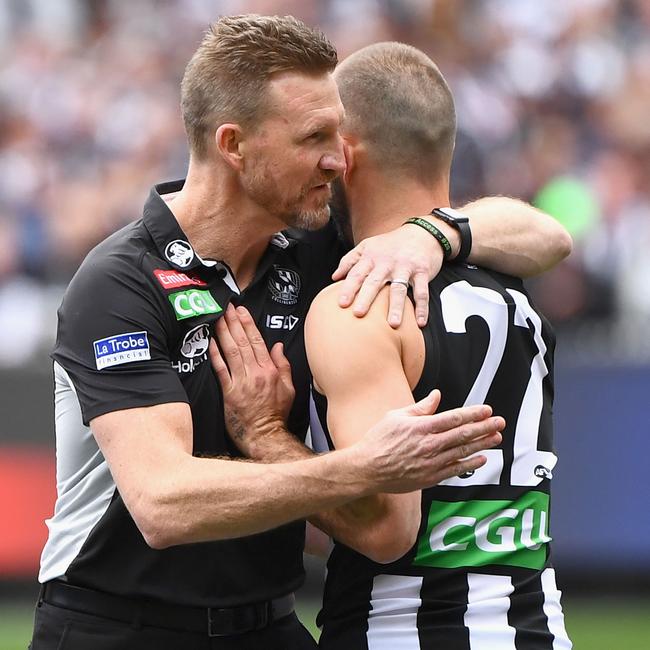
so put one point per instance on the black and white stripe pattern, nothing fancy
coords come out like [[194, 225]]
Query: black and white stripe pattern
[[497, 615]]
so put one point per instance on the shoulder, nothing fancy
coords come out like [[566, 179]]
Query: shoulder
[[112, 270], [325, 310]]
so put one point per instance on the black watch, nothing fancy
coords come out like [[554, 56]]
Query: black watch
[[460, 222]]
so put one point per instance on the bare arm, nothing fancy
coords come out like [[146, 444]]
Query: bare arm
[[356, 364], [513, 237], [177, 498], [508, 235]]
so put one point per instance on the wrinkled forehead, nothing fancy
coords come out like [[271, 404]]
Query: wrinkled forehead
[[305, 100]]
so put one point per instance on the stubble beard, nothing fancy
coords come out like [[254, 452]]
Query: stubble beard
[[263, 190]]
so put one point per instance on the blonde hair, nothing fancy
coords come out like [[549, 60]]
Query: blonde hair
[[225, 80]]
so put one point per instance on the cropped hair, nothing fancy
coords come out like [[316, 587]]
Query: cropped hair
[[225, 80], [397, 101]]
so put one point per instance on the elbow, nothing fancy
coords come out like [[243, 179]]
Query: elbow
[[159, 526], [390, 545], [560, 244], [564, 244]]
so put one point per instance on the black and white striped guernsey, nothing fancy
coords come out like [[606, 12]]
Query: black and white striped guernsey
[[480, 575]]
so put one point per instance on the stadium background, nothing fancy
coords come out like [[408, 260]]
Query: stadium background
[[553, 101]]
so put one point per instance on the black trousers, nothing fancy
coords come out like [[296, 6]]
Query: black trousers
[[56, 628]]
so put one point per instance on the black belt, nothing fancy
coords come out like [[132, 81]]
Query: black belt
[[218, 621]]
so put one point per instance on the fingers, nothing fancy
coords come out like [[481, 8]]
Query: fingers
[[372, 284], [353, 281], [230, 349], [462, 452], [282, 364], [253, 336], [398, 293], [240, 337], [421, 297], [452, 420], [346, 263], [462, 437], [426, 406], [219, 366]]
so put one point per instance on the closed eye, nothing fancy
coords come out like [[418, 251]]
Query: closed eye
[[316, 136]]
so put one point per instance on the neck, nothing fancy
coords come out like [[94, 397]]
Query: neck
[[221, 222], [379, 203]]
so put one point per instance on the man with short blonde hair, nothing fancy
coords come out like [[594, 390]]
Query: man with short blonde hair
[[226, 78]]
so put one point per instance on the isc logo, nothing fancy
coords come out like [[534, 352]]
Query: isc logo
[[279, 322]]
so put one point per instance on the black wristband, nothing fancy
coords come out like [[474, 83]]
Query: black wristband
[[438, 234], [460, 222]]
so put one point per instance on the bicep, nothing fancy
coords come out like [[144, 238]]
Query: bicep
[[143, 445], [356, 363]]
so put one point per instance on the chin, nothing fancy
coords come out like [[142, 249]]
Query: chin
[[311, 219]]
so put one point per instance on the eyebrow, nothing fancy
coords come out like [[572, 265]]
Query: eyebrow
[[325, 123]]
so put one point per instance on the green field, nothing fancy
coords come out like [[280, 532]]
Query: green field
[[593, 625]]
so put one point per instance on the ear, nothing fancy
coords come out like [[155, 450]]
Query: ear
[[228, 139], [348, 153]]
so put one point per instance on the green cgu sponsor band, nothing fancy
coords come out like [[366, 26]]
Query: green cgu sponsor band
[[193, 302], [482, 532]]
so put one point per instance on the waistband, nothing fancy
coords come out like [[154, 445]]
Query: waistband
[[214, 621]]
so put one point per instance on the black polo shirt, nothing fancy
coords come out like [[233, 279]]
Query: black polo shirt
[[133, 331]]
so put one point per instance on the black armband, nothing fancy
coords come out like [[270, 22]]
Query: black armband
[[438, 234]]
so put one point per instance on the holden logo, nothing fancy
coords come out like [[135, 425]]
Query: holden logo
[[179, 252], [284, 286], [196, 341], [543, 472]]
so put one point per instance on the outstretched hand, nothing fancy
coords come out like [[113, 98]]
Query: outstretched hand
[[413, 449]]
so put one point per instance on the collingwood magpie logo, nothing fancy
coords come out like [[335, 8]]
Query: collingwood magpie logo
[[284, 286], [196, 341], [194, 349], [179, 252]]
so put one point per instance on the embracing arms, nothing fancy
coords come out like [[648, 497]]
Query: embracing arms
[[379, 526], [176, 498], [508, 236]]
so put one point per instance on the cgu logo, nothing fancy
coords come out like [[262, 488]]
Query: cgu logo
[[494, 534], [482, 532], [279, 322], [193, 303]]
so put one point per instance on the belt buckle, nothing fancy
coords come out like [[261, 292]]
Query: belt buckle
[[222, 618]]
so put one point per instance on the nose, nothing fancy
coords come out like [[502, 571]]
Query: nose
[[333, 160]]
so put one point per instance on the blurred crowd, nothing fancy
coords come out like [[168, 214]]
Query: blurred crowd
[[553, 100]]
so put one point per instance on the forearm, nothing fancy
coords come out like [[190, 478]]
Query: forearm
[[364, 524], [513, 237], [207, 499], [381, 527]]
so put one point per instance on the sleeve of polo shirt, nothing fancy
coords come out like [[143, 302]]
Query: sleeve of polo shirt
[[112, 340]]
